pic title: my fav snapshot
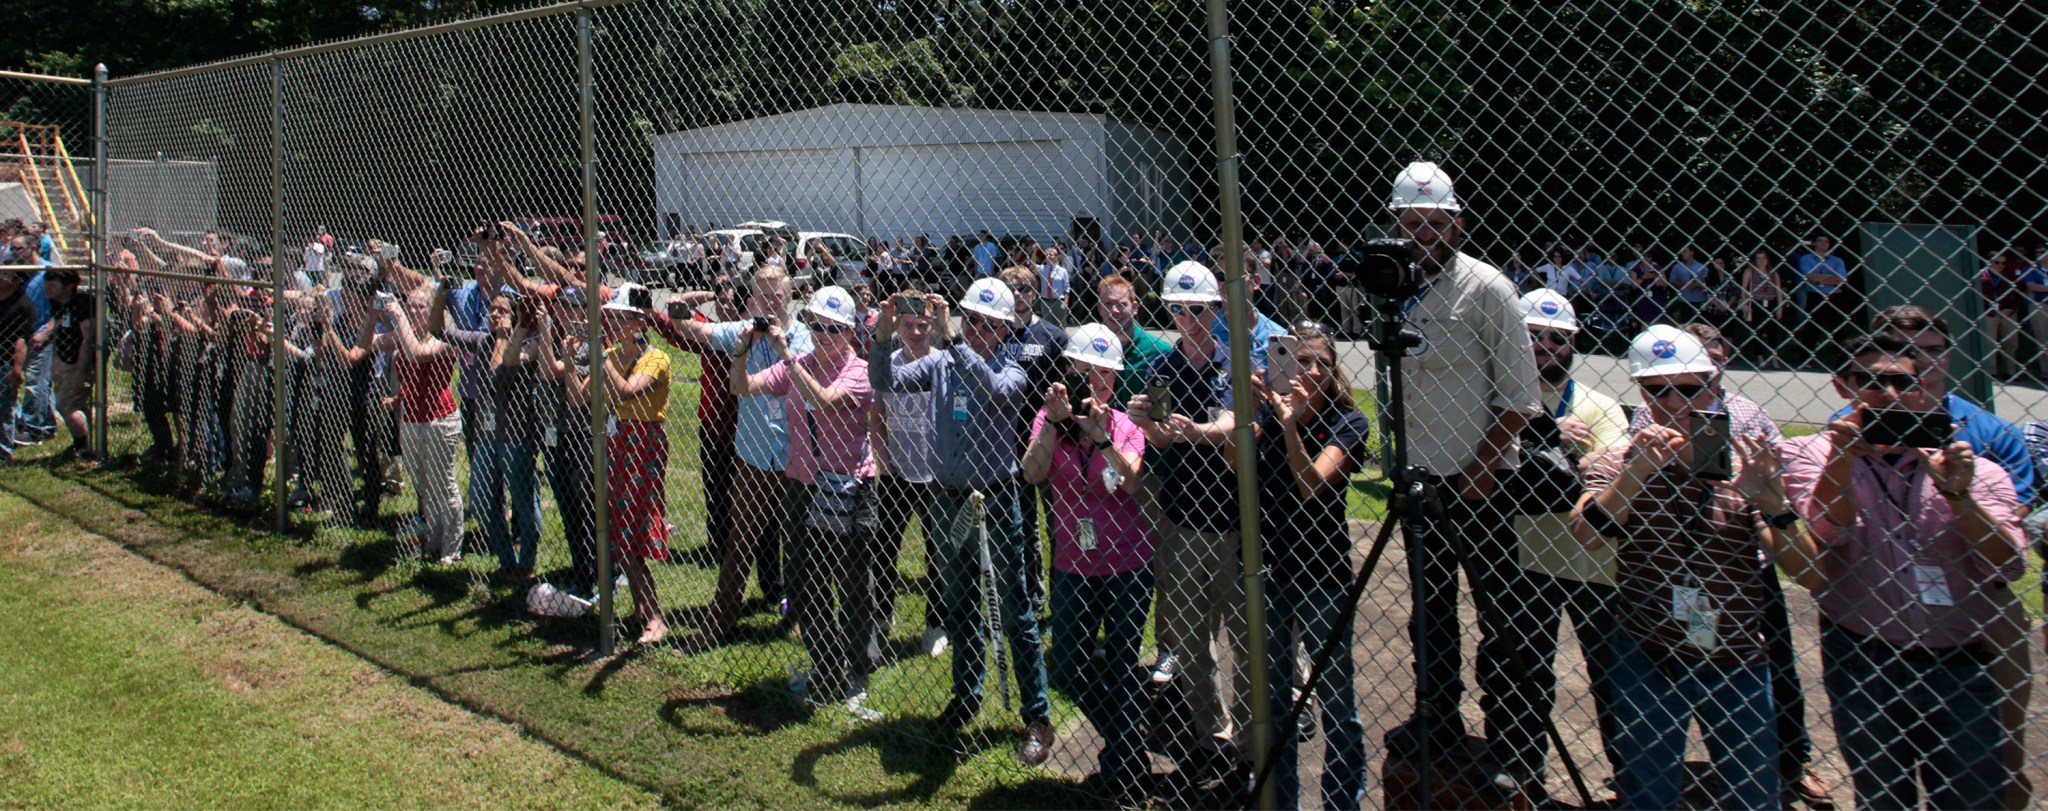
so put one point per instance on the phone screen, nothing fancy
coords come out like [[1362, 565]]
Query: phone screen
[[1713, 450], [1899, 428], [909, 305], [1162, 399], [1077, 391]]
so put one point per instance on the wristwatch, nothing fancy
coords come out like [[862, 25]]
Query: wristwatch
[[1783, 520]]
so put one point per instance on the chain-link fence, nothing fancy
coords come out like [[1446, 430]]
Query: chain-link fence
[[875, 358]]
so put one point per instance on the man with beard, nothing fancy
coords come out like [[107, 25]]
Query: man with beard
[[1476, 379], [1557, 572]]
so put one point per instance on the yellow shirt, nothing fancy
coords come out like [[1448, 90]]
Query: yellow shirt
[[1547, 545], [651, 404]]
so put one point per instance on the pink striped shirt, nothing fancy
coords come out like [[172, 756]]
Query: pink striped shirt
[[1872, 585]]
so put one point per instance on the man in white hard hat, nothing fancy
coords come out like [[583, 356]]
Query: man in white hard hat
[[1688, 528], [977, 388], [1472, 386], [1200, 597], [1558, 573]]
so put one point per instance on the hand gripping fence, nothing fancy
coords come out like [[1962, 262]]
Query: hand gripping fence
[[821, 345]]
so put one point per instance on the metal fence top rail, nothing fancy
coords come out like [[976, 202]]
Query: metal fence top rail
[[43, 77], [536, 12]]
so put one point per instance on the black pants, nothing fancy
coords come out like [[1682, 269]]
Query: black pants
[[1477, 536], [716, 458], [896, 501], [1533, 607], [568, 472], [831, 595], [371, 433], [1788, 697]]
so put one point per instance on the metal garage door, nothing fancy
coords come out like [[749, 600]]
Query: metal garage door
[[1011, 187], [811, 189]]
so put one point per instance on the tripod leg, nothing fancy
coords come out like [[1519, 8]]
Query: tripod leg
[[1335, 642]]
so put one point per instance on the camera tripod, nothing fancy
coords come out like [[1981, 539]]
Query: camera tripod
[[1414, 503]]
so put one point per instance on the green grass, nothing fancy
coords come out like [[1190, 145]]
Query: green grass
[[130, 686], [712, 729]]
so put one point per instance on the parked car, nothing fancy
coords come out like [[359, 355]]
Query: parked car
[[667, 265], [753, 238], [849, 259]]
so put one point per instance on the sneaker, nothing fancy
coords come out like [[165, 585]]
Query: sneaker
[[1166, 669], [1037, 744], [934, 642], [858, 705]]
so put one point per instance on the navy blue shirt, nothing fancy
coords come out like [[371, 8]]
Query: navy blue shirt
[[1197, 486]]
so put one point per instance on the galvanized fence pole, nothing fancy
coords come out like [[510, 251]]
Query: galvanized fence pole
[[1238, 303], [101, 252], [593, 279], [278, 365]]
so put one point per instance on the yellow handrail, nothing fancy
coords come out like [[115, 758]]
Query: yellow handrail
[[50, 214], [83, 201]]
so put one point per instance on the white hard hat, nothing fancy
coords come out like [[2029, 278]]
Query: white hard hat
[[1098, 345], [1424, 185], [832, 302], [622, 299], [1189, 281], [1543, 307], [1665, 350], [992, 298]]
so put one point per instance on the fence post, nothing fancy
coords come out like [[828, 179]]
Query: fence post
[[1240, 317], [593, 279], [98, 206], [278, 427]]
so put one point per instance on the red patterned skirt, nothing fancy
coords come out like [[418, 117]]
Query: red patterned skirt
[[636, 474]]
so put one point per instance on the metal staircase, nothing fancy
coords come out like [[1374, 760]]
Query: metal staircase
[[46, 172]]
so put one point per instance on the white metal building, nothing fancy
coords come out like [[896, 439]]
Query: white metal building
[[895, 171]]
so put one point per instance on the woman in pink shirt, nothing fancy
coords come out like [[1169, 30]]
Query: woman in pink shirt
[[1090, 457], [831, 473]]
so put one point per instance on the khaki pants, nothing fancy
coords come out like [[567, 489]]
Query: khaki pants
[[2004, 332], [1200, 618], [429, 449]]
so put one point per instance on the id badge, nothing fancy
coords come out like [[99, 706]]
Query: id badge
[[1702, 630], [490, 421], [1932, 582], [776, 408], [959, 408], [611, 425], [1683, 600], [1084, 534], [550, 437]]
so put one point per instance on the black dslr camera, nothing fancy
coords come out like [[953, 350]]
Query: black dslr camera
[[1387, 268]]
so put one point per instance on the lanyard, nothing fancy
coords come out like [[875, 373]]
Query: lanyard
[[1564, 403], [1907, 506], [1409, 303]]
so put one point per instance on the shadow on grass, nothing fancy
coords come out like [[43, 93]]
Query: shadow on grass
[[758, 709]]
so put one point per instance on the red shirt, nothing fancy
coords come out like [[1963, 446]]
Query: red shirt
[[423, 394], [717, 409]]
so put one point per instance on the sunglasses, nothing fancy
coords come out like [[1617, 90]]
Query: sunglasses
[[1188, 309], [1023, 288], [982, 321], [1896, 381], [1552, 337], [1659, 391], [827, 327]]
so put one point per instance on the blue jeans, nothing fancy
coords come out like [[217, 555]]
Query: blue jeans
[[959, 571], [1299, 613], [1116, 604], [8, 395], [1657, 696], [38, 414], [1901, 723], [497, 467]]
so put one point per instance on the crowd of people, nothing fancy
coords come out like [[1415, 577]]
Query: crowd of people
[[1074, 477]]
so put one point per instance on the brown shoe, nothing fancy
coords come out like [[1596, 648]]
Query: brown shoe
[[1807, 789], [1037, 744]]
